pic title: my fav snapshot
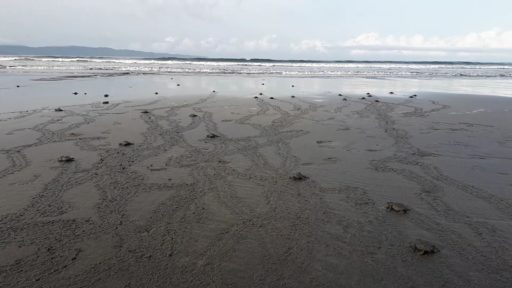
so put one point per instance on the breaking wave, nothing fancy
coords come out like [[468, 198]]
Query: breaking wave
[[295, 68]]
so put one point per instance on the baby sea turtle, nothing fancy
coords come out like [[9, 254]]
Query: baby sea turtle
[[293, 96], [293, 86], [125, 143], [192, 115], [106, 95], [391, 93], [261, 94], [363, 98], [411, 96], [397, 207], [213, 91], [212, 136], [17, 86], [104, 102], [299, 177], [423, 247], [340, 95], [144, 111], [271, 98], [262, 83], [75, 93], [377, 100], [156, 93], [344, 99], [178, 85], [65, 159], [255, 97], [58, 109]]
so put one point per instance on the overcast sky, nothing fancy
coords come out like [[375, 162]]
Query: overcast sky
[[472, 30]]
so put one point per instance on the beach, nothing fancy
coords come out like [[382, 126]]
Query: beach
[[206, 192]]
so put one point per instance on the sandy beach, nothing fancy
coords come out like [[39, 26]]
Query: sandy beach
[[204, 193]]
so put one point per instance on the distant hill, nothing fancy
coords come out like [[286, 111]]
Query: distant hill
[[81, 51]]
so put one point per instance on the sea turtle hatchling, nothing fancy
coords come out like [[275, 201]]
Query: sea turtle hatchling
[[65, 159], [423, 247], [58, 109], [125, 143], [212, 136], [397, 207], [299, 177]]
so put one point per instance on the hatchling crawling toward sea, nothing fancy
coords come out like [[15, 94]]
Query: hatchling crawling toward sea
[[125, 143], [397, 207], [423, 247], [65, 159], [299, 177]]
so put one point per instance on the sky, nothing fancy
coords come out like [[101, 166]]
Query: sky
[[452, 30]]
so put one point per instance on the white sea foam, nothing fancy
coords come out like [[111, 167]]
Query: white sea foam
[[418, 70]]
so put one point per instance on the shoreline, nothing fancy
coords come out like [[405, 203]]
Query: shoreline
[[45, 92]]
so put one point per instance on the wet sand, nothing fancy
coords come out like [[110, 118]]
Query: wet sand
[[179, 209]]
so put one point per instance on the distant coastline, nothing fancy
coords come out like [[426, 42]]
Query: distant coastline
[[80, 51]]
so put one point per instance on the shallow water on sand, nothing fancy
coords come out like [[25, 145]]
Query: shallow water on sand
[[49, 90]]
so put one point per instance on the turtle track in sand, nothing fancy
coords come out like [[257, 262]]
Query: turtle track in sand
[[432, 185], [207, 233]]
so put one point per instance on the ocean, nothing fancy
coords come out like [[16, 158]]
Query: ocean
[[416, 70]]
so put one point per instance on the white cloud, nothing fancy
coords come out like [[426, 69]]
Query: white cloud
[[265, 43], [310, 45], [208, 43], [362, 52], [492, 41], [170, 39], [170, 44], [187, 45]]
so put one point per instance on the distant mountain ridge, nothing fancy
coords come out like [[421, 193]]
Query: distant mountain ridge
[[81, 51]]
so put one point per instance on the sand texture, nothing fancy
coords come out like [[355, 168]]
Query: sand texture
[[180, 209]]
